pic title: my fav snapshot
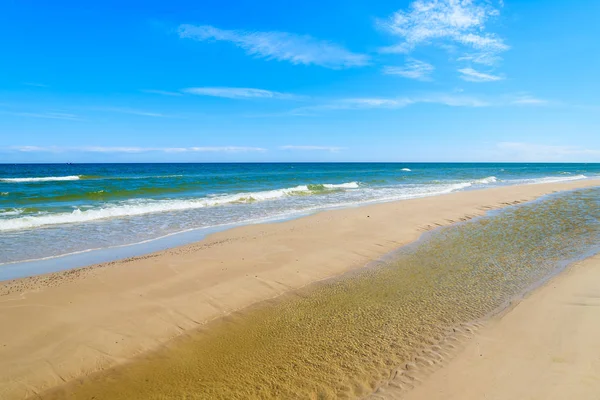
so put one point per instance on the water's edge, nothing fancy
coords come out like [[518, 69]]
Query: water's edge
[[86, 258]]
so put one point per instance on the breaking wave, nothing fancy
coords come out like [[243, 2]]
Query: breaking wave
[[489, 179], [149, 206]]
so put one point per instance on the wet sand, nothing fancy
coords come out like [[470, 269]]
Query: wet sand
[[71, 324], [546, 347]]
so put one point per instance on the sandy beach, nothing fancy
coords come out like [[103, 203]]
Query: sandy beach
[[71, 324]]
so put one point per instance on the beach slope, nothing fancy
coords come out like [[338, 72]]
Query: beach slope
[[65, 325]]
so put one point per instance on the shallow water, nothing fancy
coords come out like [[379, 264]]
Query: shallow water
[[342, 338]]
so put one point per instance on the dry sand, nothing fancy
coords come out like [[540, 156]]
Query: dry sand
[[61, 326]]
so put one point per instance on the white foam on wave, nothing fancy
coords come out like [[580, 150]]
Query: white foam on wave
[[366, 194], [489, 179], [148, 206], [14, 211], [4, 193], [402, 193], [42, 179], [349, 185], [406, 169], [553, 179]]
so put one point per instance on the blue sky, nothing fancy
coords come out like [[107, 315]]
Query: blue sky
[[189, 81]]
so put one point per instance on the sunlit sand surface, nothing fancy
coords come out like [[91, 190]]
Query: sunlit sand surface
[[344, 338]]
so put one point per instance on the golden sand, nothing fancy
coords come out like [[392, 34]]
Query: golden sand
[[343, 338]]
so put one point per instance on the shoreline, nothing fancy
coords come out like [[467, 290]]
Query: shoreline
[[109, 313], [12, 270], [543, 337]]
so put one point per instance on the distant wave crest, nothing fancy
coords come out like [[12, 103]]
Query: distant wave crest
[[42, 179]]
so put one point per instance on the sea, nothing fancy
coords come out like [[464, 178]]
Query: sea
[[59, 216]]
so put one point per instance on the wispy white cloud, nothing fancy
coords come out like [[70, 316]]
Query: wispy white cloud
[[104, 149], [373, 102], [349, 104], [239, 93], [453, 25], [281, 46], [459, 22], [332, 149], [471, 75], [489, 43], [522, 151], [74, 117], [488, 59], [413, 69], [455, 99], [46, 115], [163, 92], [26, 149], [225, 149], [133, 111], [530, 100], [451, 100]]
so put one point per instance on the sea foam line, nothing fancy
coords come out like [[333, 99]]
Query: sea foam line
[[149, 206], [42, 179], [553, 179], [138, 207], [489, 179]]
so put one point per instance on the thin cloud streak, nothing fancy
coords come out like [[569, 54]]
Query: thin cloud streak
[[162, 92], [393, 103], [445, 99], [413, 69], [530, 100], [471, 75], [280, 46], [133, 111], [481, 58], [331, 149], [46, 115], [131, 150], [239, 93]]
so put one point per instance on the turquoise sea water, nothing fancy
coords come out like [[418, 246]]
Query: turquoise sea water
[[53, 210]]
